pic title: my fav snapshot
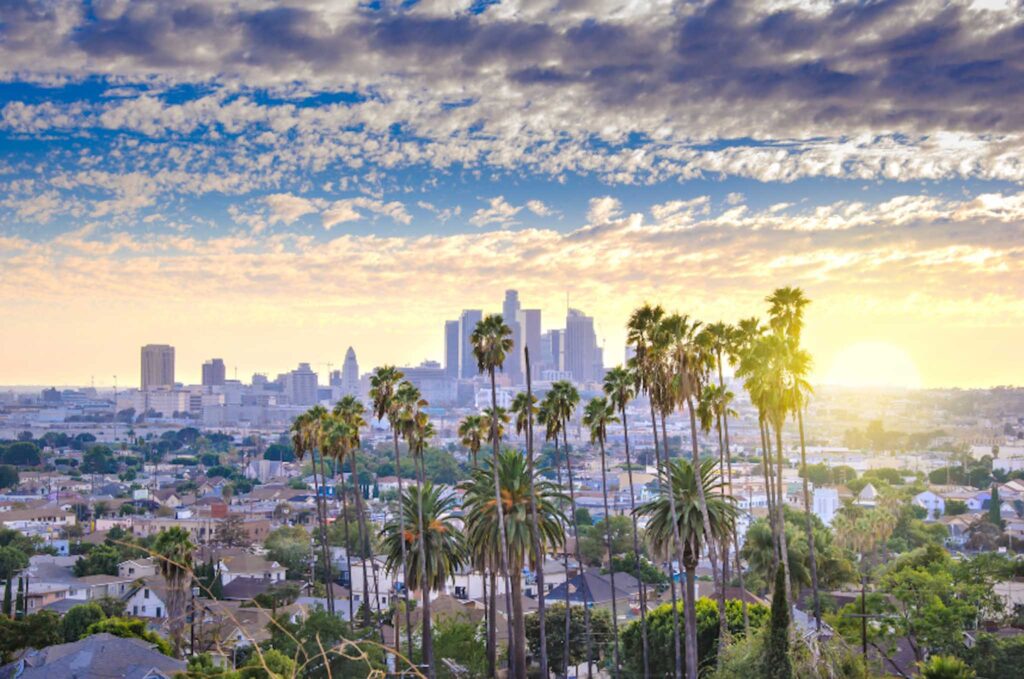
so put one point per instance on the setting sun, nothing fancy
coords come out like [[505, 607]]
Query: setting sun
[[873, 364]]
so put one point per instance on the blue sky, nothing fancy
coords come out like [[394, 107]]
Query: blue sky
[[217, 175]]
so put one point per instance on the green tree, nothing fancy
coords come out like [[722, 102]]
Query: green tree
[[290, 547], [945, 667], [21, 454], [7, 598], [78, 620], [101, 560], [112, 607], [660, 635], [12, 561], [8, 476], [455, 638], [129, 628], [776, 664], [600, 628], [994, 504]]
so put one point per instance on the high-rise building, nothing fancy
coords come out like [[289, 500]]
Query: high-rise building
[[510, 314], [214, 373], [301, 385], [552, 344], [467, 324], [581, 352], [157, 366], [451, 349], [529, 323], [350, 374]]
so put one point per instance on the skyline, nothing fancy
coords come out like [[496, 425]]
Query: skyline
[[305, 177]]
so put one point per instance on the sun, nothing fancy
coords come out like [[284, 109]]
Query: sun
[[873, 364]]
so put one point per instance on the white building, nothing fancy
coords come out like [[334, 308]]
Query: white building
[[932, 503], [826, 504]]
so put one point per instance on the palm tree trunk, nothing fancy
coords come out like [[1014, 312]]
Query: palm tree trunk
[[537, 547], [810, 529], [348, 553], [364, 546], [611, 567], [678, 647], [502, 534], [723, 628], [401, 527], [735, 538], [579, 557], [677, 542], [769, 489], [516, 578], [565, 560], [491, 602], [327, 550], [427, 635], [783, 549], [636, 549], [690, 608], [321, 517]]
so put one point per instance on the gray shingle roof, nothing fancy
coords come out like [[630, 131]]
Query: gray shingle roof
[[99, 656]]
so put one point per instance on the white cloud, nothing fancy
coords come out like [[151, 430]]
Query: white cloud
[[499, 211], [284, 207], [538, 208]]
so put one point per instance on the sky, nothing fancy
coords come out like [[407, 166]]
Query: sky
[[271, 182]]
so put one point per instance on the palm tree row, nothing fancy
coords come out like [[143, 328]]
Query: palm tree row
[[514, 516]]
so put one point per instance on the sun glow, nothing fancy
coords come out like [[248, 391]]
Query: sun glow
[[874, 364]]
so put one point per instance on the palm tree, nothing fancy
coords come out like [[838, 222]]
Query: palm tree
[[383, 385], [350, 411], [691, 362], [418, 431], [471, 435], [787, 315], [305, 439], [334, 436], [598, 414], [564, 399], [620, 386], [525, 408], [492, 341], [486, 520], [435, 548], [698, 523], [642, 334], [547, 415], [173, 550]]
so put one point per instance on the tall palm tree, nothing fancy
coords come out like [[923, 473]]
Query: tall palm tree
[[435, 548], [598, 414], [692, 359], [492, 341], [565, 398], [383, 384], [547, 416], [471, 434], [350, 411], [173, 550], [418, 431], [642, 332], [698, 523], [524, 406], [620, 386], [305, 439], [787, 317], [485, 520], [334, 434]]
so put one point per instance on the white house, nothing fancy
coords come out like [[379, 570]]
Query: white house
[[148, 599], [826, 504], [932, 503], [250, 566]]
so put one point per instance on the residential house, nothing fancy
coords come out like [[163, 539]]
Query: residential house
[[148, 598], [98, 656], [246, 565]]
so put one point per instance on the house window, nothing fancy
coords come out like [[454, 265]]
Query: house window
[[460, 593], [135, 610], [158, 612], [145, 594]]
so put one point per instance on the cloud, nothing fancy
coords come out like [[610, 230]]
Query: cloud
[[499, 211], [284, 207], [538, 208], [348, 210], [604, 210]]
